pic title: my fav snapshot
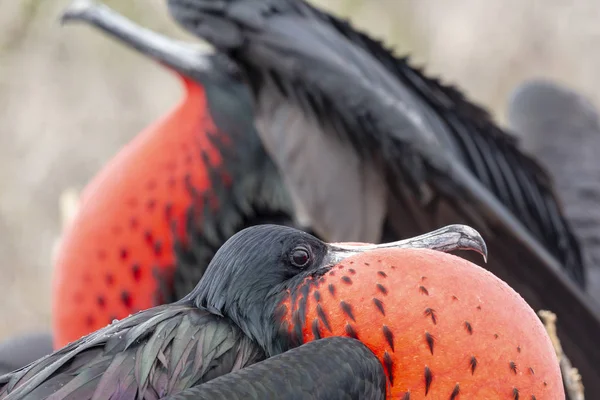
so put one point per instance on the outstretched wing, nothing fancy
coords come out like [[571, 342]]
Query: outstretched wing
[[332, 103]]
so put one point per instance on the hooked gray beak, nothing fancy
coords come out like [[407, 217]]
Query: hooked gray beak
[[446, 239], [182, 57]]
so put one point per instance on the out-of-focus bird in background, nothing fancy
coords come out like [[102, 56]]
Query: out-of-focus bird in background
[[562, 129], [18, 351]]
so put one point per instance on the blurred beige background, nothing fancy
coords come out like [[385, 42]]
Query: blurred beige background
[[70, 98]]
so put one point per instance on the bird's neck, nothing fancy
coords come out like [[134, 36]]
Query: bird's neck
[[262, 323], [253, 312]]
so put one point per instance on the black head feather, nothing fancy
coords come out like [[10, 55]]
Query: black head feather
[[251, 273]]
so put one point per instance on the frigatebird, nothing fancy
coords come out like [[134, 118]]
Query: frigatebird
[[236, 316], [121, 253], [561, 127], [402, 152]]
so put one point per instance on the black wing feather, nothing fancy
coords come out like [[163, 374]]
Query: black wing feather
[[467, 130], [492, 149], [151, 354], [332, 368]]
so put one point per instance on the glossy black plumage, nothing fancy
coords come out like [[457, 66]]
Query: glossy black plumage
[[345, 100], [331, 368], [151, 354]]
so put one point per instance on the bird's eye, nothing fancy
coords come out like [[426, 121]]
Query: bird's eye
[[300, 257]]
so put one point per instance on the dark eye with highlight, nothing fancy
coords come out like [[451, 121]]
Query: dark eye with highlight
[[300, 257]]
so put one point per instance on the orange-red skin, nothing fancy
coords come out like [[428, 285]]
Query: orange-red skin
[[416, 286], [123, 227]]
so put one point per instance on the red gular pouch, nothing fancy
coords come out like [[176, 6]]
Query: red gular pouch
[[119, 246], [442, 326]]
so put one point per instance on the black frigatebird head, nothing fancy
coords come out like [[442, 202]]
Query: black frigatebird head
[[260, 265]]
